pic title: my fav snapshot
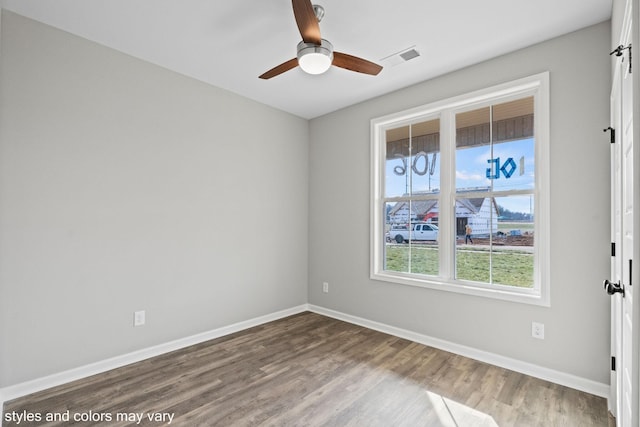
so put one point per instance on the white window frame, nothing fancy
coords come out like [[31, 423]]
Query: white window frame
[[536, 86]]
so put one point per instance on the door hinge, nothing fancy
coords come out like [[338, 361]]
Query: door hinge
[[613, 134], [613, 363], [613, 248], [619, 51]]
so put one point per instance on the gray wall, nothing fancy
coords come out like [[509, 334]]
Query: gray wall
[[123, 187], [577, 323]]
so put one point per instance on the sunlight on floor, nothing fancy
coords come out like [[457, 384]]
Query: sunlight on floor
[[456, 414]]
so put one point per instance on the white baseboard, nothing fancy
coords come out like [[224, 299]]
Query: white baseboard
[[557, 377], [39, 384]]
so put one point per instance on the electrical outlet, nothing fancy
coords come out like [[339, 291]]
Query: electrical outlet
[[537, 330], [325, 287], [138, 318]]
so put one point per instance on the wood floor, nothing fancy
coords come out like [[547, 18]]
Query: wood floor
[[310, 370]]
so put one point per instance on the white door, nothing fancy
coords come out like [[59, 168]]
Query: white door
[[624, 393], [616, 238]]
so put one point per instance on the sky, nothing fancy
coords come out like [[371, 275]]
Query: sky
[[511, 167]]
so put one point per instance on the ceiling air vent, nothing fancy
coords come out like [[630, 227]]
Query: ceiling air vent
[[400, 57], [409, 54]]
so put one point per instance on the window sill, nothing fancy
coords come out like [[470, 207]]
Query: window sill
[[504, 293]]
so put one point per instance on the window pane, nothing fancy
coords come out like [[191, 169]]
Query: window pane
[[397, 224], [495, 147], [476, 222], [397, 154], [411, 242], [494, 240], [425, 162], [424, 257], [513, 245], [473, 148], [513, 143], [412, 159]]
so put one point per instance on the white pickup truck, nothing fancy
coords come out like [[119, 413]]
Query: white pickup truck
[[419, 231]]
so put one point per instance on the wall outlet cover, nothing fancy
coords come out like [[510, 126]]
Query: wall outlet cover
[[139, 318], [537, 330]]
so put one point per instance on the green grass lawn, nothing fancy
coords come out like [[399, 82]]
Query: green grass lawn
[[424, 259], [508, 267]]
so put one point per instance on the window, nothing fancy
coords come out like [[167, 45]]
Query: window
[[460, 194]]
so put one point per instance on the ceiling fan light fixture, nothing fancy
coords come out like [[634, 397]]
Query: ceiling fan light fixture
[[315, 54], [313, 58]]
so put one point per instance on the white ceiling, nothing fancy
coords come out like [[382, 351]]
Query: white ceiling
[[230, 43]]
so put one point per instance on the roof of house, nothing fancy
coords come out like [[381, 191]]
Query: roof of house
[[418, 207]]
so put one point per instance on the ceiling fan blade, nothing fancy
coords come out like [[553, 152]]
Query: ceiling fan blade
[[307, 21], [279, 69], [354, 63]]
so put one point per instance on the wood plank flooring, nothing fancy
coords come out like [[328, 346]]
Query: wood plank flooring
[[310, 370]]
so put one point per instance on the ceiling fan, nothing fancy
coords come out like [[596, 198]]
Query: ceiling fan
[[315, 54]]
